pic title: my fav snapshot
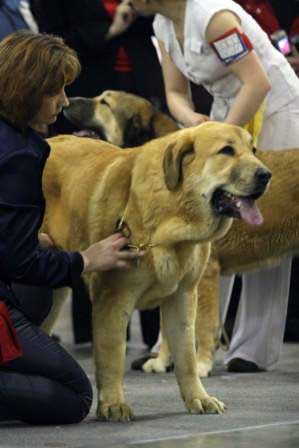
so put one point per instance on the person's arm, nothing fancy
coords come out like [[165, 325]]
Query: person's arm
[[178, 92], [249, 70], [23, 260]]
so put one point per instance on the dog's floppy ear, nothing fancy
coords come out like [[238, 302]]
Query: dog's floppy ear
[[173, 161]]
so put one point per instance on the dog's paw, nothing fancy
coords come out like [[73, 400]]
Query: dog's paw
[[119, 412], [204, 368], [207, 405], [154, 365], [212, 405]]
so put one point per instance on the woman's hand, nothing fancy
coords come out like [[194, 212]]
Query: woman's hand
[[45, 241], [194, 118], [123, 19], [108, 254]]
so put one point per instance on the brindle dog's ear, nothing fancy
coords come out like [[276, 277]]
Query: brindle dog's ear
[[173, 162]]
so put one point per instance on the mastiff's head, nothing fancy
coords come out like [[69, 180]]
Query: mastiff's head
[[214, 169], [120, 118]]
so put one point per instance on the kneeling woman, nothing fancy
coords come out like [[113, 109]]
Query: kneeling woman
[[40, 383]]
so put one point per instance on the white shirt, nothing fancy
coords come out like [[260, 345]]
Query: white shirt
[[199, 63]]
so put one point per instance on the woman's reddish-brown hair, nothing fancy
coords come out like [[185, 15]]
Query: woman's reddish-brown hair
[[31, 66]]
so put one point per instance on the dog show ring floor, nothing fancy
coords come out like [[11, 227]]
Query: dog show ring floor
[[262, 408]]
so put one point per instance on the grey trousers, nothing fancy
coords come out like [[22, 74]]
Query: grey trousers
[[260, 322]]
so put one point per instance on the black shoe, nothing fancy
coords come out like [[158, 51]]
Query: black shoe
[[242, 366]]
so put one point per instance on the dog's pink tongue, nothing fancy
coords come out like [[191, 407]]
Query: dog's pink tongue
[[250, 212]]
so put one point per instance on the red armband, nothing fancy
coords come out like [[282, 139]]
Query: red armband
[[231, 46]]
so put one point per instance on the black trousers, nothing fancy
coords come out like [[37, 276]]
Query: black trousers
[[45, 385]]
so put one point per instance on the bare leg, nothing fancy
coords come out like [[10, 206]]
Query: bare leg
[[260, 322]]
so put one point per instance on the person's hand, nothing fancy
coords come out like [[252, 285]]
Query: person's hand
[[45, 241], [194, 118], [108, 254], [123, 18]]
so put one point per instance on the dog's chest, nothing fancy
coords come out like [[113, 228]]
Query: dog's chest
[[172, 266], [172, 272]]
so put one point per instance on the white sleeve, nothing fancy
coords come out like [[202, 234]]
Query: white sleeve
[[161, 29]]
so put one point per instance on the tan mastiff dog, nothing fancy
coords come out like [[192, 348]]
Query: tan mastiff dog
[[243, 248], [174, 195]]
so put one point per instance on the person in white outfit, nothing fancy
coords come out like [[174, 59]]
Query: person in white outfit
[[217, 44]]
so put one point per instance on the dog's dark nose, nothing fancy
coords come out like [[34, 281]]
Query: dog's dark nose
[[80, 111], [262, 177]]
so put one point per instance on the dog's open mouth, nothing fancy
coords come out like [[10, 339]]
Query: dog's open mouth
[[242, 207]]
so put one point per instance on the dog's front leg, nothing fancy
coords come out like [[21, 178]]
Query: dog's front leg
[[178, 319], [207, 324], [110, 320]]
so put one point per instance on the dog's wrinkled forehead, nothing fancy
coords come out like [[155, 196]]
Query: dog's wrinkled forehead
[[126, 104], [216, 135]]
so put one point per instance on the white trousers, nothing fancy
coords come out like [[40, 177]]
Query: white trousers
[[260, 321]]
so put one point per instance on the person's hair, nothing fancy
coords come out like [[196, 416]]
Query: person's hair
[[32, 66]]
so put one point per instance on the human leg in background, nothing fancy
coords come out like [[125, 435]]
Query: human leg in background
[[226, 287], [260, 322], [259, 327], [81, 314], [292, 324], [150, 326]]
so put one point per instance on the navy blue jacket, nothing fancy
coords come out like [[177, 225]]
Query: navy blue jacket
[[23, 155]]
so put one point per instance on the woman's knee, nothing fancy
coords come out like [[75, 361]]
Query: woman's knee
[[79, 412], [68, 408], [84, 395]]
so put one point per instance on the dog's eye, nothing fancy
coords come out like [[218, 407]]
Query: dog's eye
[[254, 150], [227, 151]]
